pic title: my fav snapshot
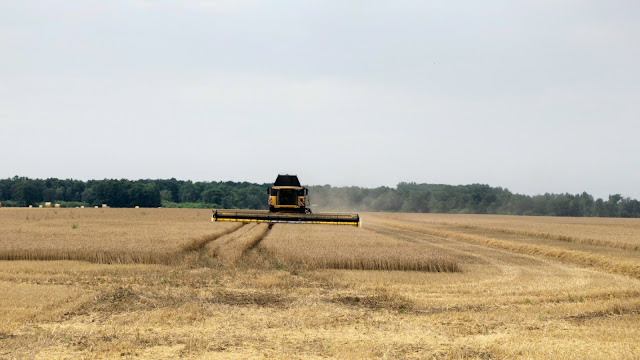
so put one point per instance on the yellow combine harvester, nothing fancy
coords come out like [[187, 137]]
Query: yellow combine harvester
[[287, 204]]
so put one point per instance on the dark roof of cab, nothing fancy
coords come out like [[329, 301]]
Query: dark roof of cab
[[287, 180]]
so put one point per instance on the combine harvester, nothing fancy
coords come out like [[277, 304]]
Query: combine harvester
[[287, 204]]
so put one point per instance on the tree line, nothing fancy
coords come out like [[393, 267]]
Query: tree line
[[471, 199], [22, 191], [405, 197]]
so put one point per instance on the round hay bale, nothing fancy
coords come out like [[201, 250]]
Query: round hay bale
[[96, 206], [137, 207], [30, 206], [82, 207], [57, 206], [47, 204], [40, 206], [104, 206]]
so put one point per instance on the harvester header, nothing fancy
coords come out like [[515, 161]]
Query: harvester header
[[288, 203]]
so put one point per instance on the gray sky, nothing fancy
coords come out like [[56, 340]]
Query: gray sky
[[536, 96]]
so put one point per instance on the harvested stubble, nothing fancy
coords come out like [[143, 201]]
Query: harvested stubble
[[198, 243], [229, 249], [610, 232], [604, 262], [345, 247], [123, 236]]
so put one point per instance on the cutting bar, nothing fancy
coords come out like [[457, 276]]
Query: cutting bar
[[258, 216]]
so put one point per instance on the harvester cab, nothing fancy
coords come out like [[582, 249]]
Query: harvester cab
[[287, 204], [287, 195]]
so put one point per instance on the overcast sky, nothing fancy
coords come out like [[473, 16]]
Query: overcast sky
[[535, 96]]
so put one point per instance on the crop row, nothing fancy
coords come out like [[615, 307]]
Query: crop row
[[345, 247]]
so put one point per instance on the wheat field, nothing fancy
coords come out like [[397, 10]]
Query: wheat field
[[612, 232], [168, 283], [104, 235], [337, 247]]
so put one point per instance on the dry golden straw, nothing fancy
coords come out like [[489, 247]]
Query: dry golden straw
[[123, 236], [608, 263], [345, 247]]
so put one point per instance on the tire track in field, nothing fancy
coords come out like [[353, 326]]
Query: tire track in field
[[511, 265], [200, 243], [258, 239], [508, 271], [530, 233], [212, 248], [605, 263], [230, 248], [515, 269], [560, 244]]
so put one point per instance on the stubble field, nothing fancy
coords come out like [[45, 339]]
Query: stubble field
[[167, 283]]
